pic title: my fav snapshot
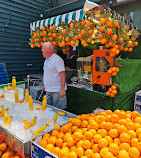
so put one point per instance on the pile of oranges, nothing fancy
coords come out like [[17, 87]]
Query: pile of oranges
[[105, 135], [4, 153]]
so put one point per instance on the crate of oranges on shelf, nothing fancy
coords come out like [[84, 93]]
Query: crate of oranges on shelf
[[104, 135]]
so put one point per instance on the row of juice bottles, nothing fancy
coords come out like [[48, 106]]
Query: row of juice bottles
[[29, 99]]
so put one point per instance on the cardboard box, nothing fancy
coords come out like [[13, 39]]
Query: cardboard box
[[38, 152], [137, 103]]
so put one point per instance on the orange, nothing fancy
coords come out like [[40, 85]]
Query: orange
[[94, 125], [102, 142], [102, 132], [3, 146], [102, 28], [122, 122], [109, 24], [79, 144], [109, 112], [124, 146], [123, 154], [93, 131], [52, 140], [84, 123], [96, 138], [66, 148], [108, 155], [6, 155], [43, 143], [108, 118], [83, 23], [125, 138], [114, 148], [130, 126], [83, 42], [113, 133], [56, 151], [64, 153], [65, 128], [1, 152], [49, 147], [137, 120], [86, 144], [95, 148], [121, 129], [132, 133], [80, 151], [137, 125], [60, 135], [46, 136], [89, 153], [103, 151], [102, 21], [139, 137], [139, 146], [57, 128], [109, 139], [72, 154], [108, 125], [59, 142], [74, 128], [134, 142], [134, 152], [77, 123], [103, 41], [102, 124], [83, 117], [55, 133], [117, 141], [70, 120], [70, 141], [73, 148], [138, 131], [77, 136], [135, 114], [88, 135], [96, 155]]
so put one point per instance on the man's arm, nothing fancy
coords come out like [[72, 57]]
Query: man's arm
[[63, 81]]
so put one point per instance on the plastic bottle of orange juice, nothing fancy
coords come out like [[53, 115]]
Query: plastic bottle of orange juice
[[16, 97], [30, 103], [13, 82], [44, 103], [26, 95]]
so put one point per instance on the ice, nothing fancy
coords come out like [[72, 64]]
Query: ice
[[9, 94], [20, 111]]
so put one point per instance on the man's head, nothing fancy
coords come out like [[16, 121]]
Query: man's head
[[47, 49]]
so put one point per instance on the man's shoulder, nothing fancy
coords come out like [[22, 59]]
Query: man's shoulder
[[58, 58]]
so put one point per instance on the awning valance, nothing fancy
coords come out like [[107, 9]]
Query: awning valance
[[57, 20]]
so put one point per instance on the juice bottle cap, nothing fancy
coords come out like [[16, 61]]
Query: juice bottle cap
[[13, 77]]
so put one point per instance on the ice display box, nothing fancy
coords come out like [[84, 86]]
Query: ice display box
[[17, 136], [137, 103]]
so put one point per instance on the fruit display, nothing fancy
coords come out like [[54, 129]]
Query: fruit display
[[104, 135]]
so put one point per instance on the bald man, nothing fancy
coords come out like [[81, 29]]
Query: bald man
[[54, 77]]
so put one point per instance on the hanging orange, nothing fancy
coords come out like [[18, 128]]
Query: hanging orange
[[102, 21], [103, 41], [100, 36], [49, 34], [89, 24], [54, 35], [116, 24], [51, 28], [109, 32], [83, 23], [89, 40], [109, 24], [114, 37], [102, 28], [90, 32], [83, 42], [67, 39], [43, 28], [136, 44], [130, 49], [83, 32], [71, 25], [64, 31]]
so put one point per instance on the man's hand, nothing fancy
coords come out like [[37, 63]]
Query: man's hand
[[62, 92], [43, 88]]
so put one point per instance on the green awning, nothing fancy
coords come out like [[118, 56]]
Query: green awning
[[57, 20]]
